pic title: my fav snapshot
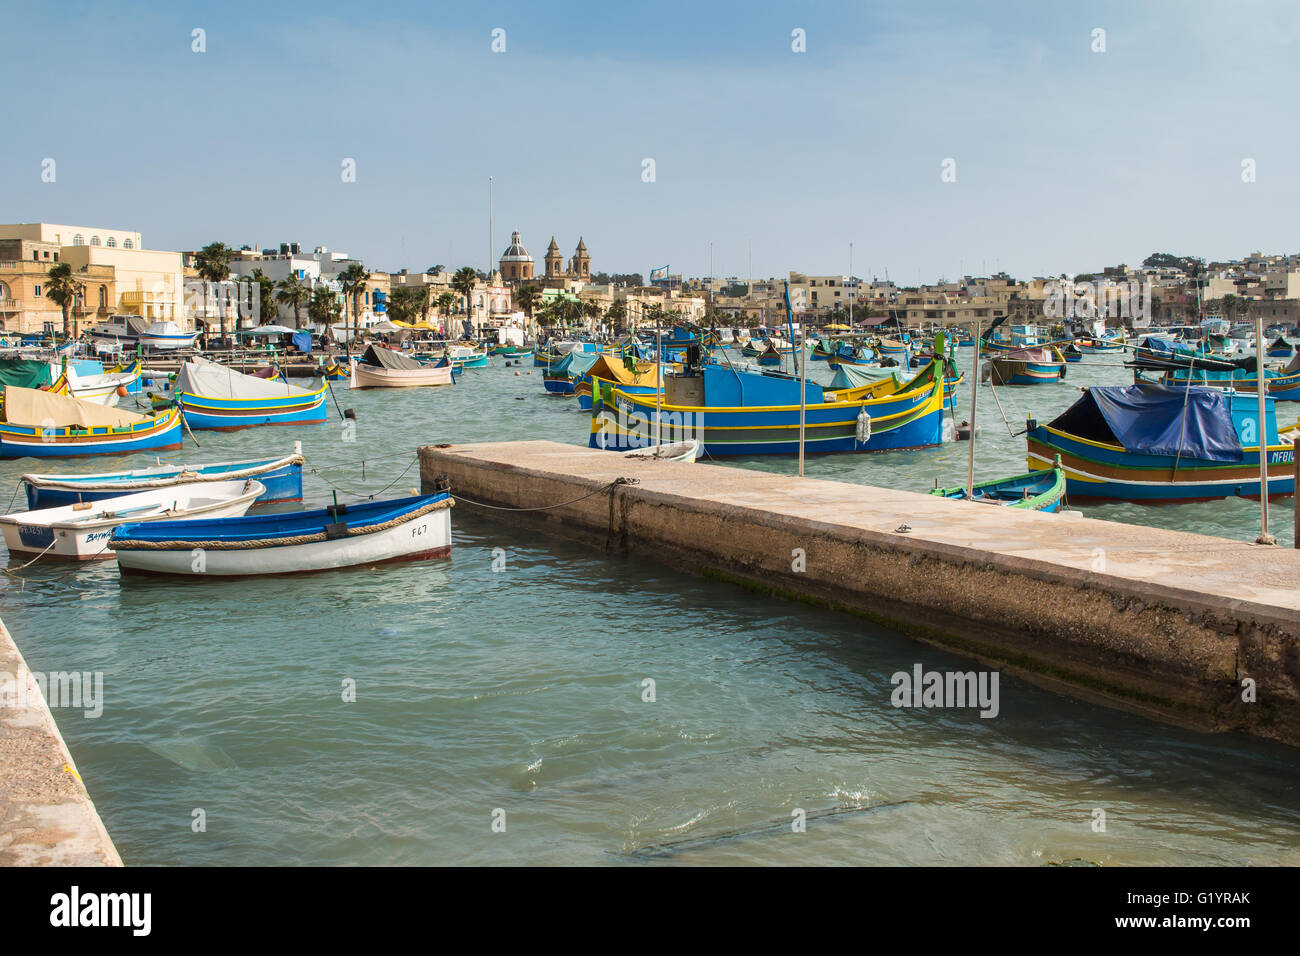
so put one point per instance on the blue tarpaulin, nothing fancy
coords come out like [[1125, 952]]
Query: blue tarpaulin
[[302, 342], [1195, 423]]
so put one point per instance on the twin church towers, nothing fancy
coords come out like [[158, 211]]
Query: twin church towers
[[517, 265]]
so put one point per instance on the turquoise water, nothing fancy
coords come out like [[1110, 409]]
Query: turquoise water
[[521, 690]]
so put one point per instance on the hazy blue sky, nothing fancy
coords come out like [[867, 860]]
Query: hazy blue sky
[[1066, 159]]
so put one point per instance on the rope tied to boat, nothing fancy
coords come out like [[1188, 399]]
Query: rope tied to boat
[[133, 545], [599, 491]]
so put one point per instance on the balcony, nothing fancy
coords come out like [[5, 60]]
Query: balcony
[[9, 305]]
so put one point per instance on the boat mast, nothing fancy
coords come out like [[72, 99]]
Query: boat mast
[[1260, 384], [974, 394]]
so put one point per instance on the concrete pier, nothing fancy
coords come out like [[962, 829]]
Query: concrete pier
[[46, 815], [1181, 627]]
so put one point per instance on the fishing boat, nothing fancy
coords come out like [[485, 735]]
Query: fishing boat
[[676, 451], [102, 389], [462, 356], [895, 349], [81, 532], [752, 413], [381, 367], [1027, 366], [1238, 375], [562, 377], [281, 479], [340, 536], [611, 371], [1151, 443], [167, 336], [1072, 353], [1280, 348], [219, 398], [334, 372], [1041, 490], [773, 352], [42, 424]]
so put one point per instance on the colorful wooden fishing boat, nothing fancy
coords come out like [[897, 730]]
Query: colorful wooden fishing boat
[[1280, 348], [1027, 366], [1098, 346], [750, 413], [1042, 490], [462, 356], [380, 367], [1072, 353], [895, 349], [42, 424], [562, 377], [611, 371], [102, 389], [1281, 384], [1151, 443], [219, 398], [280, 477], [341, 536], [81, 532]]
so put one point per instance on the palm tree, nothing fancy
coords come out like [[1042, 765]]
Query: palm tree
[[62, 288], [293, 292], [353, 280], [265, 293], [527, 298], [323, 308], [445, 301], [213, 263], [463, 282]]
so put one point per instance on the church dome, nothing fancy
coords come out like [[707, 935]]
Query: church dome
[[516, 251]]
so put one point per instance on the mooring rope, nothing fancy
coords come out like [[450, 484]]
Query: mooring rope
[[601, 490]]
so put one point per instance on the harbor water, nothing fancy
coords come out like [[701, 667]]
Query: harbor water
[[495, 708]]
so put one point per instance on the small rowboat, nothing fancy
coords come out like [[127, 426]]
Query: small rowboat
[[1034, 491], [280, 477], [342, 536], [81, 532], [384, 368], [676, 451]]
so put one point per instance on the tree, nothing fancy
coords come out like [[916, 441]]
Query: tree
[[265, 294], [293, 292], [323, 309], [213, 264], [463, 282], [402, 304], [445, 302], [435, 270], [527, 298], [590, 310], [352, 280], [616, 313], [421, 298], [62, 288]]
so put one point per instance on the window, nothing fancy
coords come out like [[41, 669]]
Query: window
[[38, 290], [112, 243], [128, 244], [36, 255], [94, 240], [77, 240]]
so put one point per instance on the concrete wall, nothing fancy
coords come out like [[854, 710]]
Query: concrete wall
[[1164, 623]]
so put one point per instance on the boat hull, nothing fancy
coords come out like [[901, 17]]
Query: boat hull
[[371, 376], [281, 478], [230, 414], [163, 433]]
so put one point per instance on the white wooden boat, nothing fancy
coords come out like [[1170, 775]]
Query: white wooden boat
[[384, 368], [674, 451], [167, 335], [81, 532], [372, 532], [103, 389]]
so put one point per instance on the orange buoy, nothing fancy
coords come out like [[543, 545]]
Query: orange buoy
[[121, 391]]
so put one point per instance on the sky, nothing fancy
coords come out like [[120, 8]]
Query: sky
[[1179, 136]]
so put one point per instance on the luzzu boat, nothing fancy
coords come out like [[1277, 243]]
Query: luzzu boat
[[1281, 384], [1280, 348], [381, 367], [341, 536], [562, 377], [1100, 346], [1042, 490], [462, 356], [102, 389], [1150, 443], [1027, 366], [219, 398], [41, 424], [81, 532], [896, 349], [751, 413], [611, 371], [281, 480]]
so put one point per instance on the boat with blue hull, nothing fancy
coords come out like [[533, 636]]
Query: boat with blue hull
[[219, 398], [750, 413], [1027, 366], [41, 424], [562, 377], [281, 479], [339, 536], [1149, 443], [1042, 490]]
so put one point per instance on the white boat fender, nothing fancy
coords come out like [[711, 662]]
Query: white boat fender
[[864, 426]]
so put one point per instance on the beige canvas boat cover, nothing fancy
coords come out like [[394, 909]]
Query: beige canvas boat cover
[[31, 406], [198, 376]]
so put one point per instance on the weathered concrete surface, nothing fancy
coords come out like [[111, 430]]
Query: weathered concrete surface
[[46, 815], [1162, 622]]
